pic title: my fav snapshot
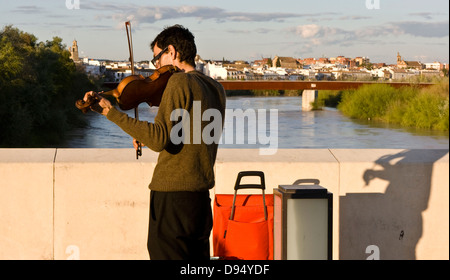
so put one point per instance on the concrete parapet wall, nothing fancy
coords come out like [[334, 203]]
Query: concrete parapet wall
[[94, 203]]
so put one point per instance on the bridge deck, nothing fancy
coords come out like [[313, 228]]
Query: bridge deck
[[298, 85], [311, 85]]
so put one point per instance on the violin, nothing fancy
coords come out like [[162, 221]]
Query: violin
[[135, 89]]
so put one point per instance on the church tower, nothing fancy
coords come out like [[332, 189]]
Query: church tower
[[399, 58], [74, 52]]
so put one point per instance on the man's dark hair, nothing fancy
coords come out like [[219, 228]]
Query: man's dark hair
[[181, 39]]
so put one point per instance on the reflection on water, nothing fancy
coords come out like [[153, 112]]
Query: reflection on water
[[327, 128]]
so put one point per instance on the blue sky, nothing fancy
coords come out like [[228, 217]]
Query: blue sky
[[245, 29]]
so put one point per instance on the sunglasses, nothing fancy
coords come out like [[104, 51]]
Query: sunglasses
[[156, 58]]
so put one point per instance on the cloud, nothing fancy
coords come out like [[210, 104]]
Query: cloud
[[28, 10], [426, 15], [354, 18], [424, 29], [152, 14], [315, 31], [245, 31], [324, 35], [313, 35]]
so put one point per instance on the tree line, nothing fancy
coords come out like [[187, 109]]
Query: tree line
[[39, 84]]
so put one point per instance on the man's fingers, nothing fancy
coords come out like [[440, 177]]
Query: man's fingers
[[87, 94], [136, 144]]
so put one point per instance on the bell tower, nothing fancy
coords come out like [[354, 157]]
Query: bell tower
[[399, 58], [74, 51]]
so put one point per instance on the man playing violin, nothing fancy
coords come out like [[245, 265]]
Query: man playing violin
[[180, 218]]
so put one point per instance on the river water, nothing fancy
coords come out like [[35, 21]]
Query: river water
[[287, 127]]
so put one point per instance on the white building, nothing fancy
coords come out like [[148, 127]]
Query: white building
[[92, 70], [234, 74], [215, 71], [434, 65], [382, 73], [430, 72], [94, 62], [307, 73], [121, 74], [401, 74]]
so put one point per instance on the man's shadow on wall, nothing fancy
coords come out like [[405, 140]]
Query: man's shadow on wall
[[392, 221]]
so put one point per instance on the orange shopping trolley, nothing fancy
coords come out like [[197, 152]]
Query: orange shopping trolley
[[243, 224]]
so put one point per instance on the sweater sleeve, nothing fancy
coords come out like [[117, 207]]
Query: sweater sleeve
[[155, 135]]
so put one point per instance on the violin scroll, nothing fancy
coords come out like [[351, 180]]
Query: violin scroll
[[84, 106]]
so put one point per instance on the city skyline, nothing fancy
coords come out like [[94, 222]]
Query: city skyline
[[245, 30]]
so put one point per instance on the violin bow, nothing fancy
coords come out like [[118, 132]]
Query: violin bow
[[130, 47]]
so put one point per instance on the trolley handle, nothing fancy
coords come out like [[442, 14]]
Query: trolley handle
[[238, 186], [241, 174], [307, 181]]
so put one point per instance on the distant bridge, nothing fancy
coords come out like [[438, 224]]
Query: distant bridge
[[308, 85], [298, 85]]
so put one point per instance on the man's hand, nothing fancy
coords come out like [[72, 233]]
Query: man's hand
[[135, 144], [102, 106]]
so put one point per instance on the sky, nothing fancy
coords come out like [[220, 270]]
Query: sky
[[244, 29]]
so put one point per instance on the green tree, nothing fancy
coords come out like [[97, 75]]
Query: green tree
[[278, 64], [39, 85]]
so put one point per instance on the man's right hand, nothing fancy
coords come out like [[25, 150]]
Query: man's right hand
[[136, 144]]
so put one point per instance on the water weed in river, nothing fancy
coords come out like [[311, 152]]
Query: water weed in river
[[408, 106]]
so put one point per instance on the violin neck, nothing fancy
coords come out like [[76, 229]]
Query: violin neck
[[109, 92]]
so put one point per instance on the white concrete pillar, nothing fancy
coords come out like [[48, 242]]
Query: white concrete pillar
[[308, 97]]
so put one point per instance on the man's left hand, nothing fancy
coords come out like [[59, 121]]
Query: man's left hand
[[102, 106]]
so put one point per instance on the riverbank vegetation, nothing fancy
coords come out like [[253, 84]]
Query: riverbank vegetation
[[39, 85], [426, 108]]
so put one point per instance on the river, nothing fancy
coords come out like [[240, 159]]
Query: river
[[293, 128]]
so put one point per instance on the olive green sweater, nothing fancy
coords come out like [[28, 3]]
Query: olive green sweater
[[187, 166]]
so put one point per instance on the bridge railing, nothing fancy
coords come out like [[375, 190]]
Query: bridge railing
[[94, 203]]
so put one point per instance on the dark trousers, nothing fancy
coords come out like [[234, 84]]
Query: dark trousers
[[180, 224]]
